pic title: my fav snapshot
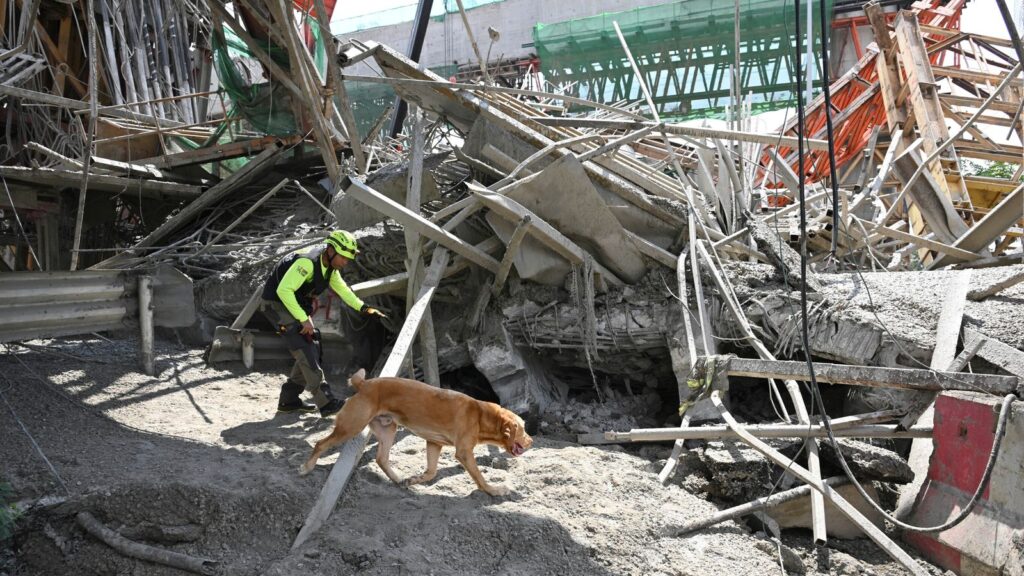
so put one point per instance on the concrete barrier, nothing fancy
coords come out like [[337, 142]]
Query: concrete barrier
[[989, 540]]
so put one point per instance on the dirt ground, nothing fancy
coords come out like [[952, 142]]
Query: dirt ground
[[200, 456]]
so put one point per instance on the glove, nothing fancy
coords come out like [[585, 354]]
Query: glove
[[371, 311]]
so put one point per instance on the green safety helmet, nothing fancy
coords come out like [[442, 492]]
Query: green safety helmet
[[344, 243]]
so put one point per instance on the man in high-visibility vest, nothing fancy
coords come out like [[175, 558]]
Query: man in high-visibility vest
[[288, 301]]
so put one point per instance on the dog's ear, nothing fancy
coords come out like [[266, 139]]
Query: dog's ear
[[507, 427]]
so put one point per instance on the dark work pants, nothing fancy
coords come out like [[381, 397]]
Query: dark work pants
[[306, 373]]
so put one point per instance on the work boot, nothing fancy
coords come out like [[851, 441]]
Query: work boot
[[295, 406], [289, 400], [331, 408]]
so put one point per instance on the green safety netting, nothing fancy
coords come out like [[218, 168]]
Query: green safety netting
[[685, 50], [369, 99], [265, 105]]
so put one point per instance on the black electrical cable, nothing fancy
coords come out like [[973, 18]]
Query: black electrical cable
[[804, 319], [801, 193], [785, 276], [824, 20]]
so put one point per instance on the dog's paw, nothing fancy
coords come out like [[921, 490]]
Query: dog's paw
[[413, 480], [305, 468], [499, 490]]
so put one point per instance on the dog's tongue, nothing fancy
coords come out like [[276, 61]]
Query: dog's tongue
[[517, 449]]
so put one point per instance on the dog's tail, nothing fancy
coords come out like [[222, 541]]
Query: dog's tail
[[356, 380]]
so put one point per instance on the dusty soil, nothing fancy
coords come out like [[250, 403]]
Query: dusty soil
[[202, 453]]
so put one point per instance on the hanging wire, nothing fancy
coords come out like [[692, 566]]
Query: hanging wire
[[816, 390]]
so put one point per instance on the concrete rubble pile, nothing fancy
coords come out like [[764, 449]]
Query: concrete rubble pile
[[555, 252]]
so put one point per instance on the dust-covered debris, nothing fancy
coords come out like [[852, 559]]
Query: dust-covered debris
[[223, 474]]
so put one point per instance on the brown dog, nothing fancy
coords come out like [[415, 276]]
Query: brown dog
[[441, 417]]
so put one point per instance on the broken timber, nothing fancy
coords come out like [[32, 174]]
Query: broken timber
[[874, 376], [844, 506], [765, 431], [360, 191]]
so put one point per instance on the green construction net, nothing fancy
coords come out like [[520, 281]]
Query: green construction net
[[267, 106], [369, 99], [264, 105], [685, 50]]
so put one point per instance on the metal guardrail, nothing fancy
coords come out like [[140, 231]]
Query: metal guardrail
[[52, 304]]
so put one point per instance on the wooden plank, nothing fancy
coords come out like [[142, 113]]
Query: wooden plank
[[980, 106], [919, 241], [360, 191], [32, 95], [974, 76], [879, 26], [59, 62], [923, 96], [518, 235], [101, 182], [993, 289], [986, 230], [761, 431], [973, 102], [939, 31], [847, 509], [680, 130], [873, 376], [785, 172], [248, 310], [656, 253], [397, 282], [129, 169], [337, 83], [947, 332], [947, 42], [90, 137], [219, 152], [413, 244], [997, 352], [63, 43], [889, 80], [935, 207], [304, 71], [403, 342]]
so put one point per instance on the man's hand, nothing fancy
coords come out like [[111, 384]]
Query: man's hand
[[307, 327], [371, 311]]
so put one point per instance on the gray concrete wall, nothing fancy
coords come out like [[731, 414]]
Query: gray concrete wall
[[514, 19]]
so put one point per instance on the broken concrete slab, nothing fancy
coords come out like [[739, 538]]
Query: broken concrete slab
[[779, 252], [563, 196], [998, 353], [797, 513], [738, 473], [511, 211], [516, 374], [867, 461]]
